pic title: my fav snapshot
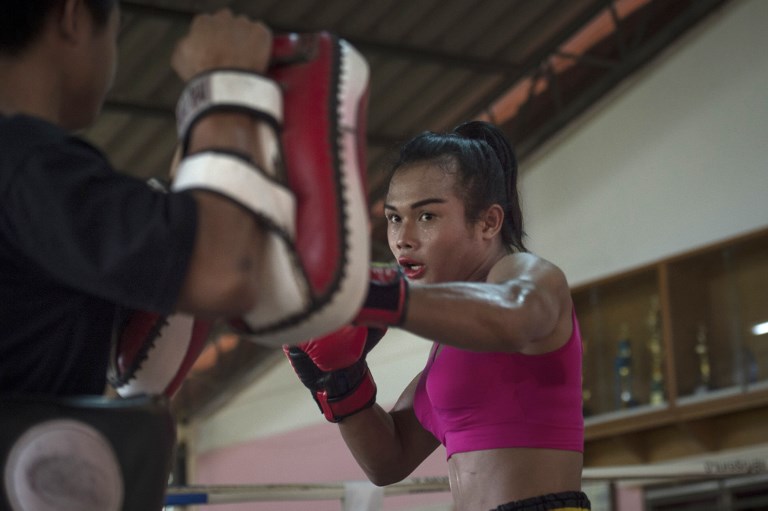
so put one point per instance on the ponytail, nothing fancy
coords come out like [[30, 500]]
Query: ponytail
[[501, 148]]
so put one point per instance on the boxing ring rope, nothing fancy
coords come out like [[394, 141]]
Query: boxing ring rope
[[229, 494]]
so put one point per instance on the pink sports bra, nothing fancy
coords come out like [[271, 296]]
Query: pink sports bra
[[475, 401]]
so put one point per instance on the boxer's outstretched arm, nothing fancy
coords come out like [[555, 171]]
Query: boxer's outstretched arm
[[523, 306], [388, 446]]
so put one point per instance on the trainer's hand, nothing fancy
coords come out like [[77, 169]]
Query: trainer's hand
[[222, 40]]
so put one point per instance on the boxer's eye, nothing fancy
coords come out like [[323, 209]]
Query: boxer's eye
[[426, 217]]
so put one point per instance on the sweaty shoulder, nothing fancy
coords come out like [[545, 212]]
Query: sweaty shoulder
[[545, 295], [526, 266]]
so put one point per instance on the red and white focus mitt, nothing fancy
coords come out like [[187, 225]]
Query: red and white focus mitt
[[314, 97], [152, 353]]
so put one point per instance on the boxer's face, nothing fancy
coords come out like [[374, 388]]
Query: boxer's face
[[427, 230]]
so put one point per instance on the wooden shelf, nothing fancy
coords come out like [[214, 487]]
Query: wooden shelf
[[669, 351]]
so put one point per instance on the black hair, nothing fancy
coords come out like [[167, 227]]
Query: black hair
[[21, 21], [486, 169]]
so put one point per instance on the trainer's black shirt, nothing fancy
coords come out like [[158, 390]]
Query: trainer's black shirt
[[77, 239]]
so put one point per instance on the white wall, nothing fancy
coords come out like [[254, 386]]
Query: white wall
[[673, 160]]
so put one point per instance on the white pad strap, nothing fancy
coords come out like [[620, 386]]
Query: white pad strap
[[242, 182], [281, 272], [235, 89]]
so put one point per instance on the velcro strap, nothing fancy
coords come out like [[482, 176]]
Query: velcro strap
[[337, 408], [387, 299], [230, 89], [243, 183]]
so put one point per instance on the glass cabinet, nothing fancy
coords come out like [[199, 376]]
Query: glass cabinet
[[679, 331]]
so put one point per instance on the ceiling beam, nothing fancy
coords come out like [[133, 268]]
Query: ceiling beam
[[401, 51], [139, 108], [535, 59], [630, 58]]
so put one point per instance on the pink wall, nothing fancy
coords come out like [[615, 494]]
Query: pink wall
[[316, 454]]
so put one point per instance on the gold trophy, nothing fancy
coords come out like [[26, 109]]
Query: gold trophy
[[654, 346], [623, 366], [702, 350]]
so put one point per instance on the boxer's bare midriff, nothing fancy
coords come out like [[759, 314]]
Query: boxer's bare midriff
[[482, 480]]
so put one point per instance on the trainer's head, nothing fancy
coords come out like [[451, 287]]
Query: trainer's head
[[74, 43], [22, 21], [485, 167]]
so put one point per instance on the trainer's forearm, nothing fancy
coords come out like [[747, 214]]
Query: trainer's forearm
[[222, 278], [233, 131], [223, 274]]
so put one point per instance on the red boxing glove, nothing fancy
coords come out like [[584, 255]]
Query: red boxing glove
[[387, 298], [334, 369]]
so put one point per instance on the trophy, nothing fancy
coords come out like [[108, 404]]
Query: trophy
[[654, 346], [702, 351], [623, 367], [746, 370]]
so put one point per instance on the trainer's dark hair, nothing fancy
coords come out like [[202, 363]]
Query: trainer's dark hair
[[486, 171], [21, 21]]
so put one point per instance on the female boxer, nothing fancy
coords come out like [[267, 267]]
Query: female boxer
[[501, 389]]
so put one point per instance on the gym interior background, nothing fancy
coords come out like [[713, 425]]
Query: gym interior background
[[641, 127]]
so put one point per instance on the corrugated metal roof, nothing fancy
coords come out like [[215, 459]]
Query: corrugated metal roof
[[433, 62]]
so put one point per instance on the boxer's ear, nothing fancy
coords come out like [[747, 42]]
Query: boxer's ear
[[491, 221]]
